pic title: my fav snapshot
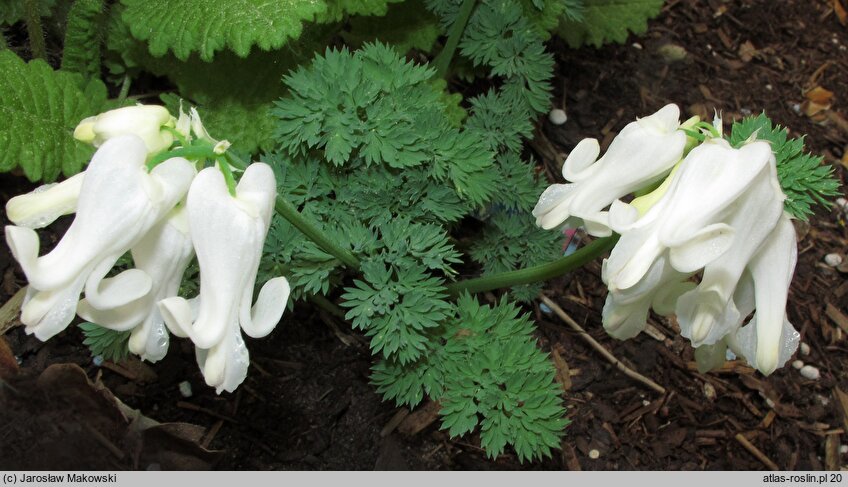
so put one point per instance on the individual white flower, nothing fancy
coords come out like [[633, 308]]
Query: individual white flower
[[163, 254], [708, 313], [46, 203], [769, 339], [687, 222], [228, 234], [148, 122], [119, 202], [641, 153], [625, 312]]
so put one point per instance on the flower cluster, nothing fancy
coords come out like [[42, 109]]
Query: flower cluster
[[161, 209], [718, 214]]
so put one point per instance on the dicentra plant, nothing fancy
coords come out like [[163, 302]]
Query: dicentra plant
[[378, 186]]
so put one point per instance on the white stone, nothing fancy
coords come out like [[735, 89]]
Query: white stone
[[810, 372], [594, 454], [709, 391], [185, 388], [557, 116], [798, 364], [805, 348], [833, 260]]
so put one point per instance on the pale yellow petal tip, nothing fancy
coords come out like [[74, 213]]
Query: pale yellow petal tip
[[85, 131]]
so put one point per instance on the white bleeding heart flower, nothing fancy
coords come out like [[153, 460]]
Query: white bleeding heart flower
[[709, 312], [643, 152], [119, 201], [163, 254], [625, 312], [46, 203], [769, 339], [149, 122], [687, 221], [228, 233]]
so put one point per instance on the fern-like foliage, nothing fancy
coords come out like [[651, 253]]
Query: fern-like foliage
[[39, 109], [83, 37], [396, 305], [373, 109], [486, 371], [511, 241], [803, 178], [604, 21], [108, 344], [212, 25]]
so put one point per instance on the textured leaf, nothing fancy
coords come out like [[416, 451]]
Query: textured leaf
[[39, 109], [81, 52], [405, 26], [109, 344], [12, 11], [337, 9], [212, 25], [607, 21]]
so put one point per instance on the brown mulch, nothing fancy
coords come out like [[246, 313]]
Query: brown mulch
[[307, 403]]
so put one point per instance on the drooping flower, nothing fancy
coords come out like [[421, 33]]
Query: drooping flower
[[228, 233], [149, 122], [643, 152], [688, 221], [119, 201], [46, 203], [708, 313], [163, 254]]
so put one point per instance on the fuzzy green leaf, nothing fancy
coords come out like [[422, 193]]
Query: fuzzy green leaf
[[212, 25], [83, 34], [605, 21], [39, 109], [11, 11], [405, 26]]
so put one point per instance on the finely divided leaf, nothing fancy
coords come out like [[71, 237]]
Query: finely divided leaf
[[605, 21], [39, 109], [81, 53], [212, 25]]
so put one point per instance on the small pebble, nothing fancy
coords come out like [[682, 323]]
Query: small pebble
[[545, 309], [823, 400], [594, 454], [646, 402], [636, 45], [769, 403], [97, 360], [769, 87], [843, 449], [810, 372], [842, 204], [557, 116], [798, 364], [833, 260], [185, 388], [709, 391], [729, 355], [805, 349]]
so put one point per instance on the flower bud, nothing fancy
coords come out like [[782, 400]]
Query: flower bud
[[144, 121]]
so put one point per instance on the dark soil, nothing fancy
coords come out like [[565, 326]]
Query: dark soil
[[307, 404]]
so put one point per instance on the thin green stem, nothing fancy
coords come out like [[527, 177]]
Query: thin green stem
[[125, 89], [443, 60], [314, 233], [34, 29], [328, 306], [537, 273]]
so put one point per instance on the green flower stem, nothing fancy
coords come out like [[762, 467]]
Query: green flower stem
[[327, 306], [537, 273], [34, 29], [125, 89], [443, 60], [314, 233]]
